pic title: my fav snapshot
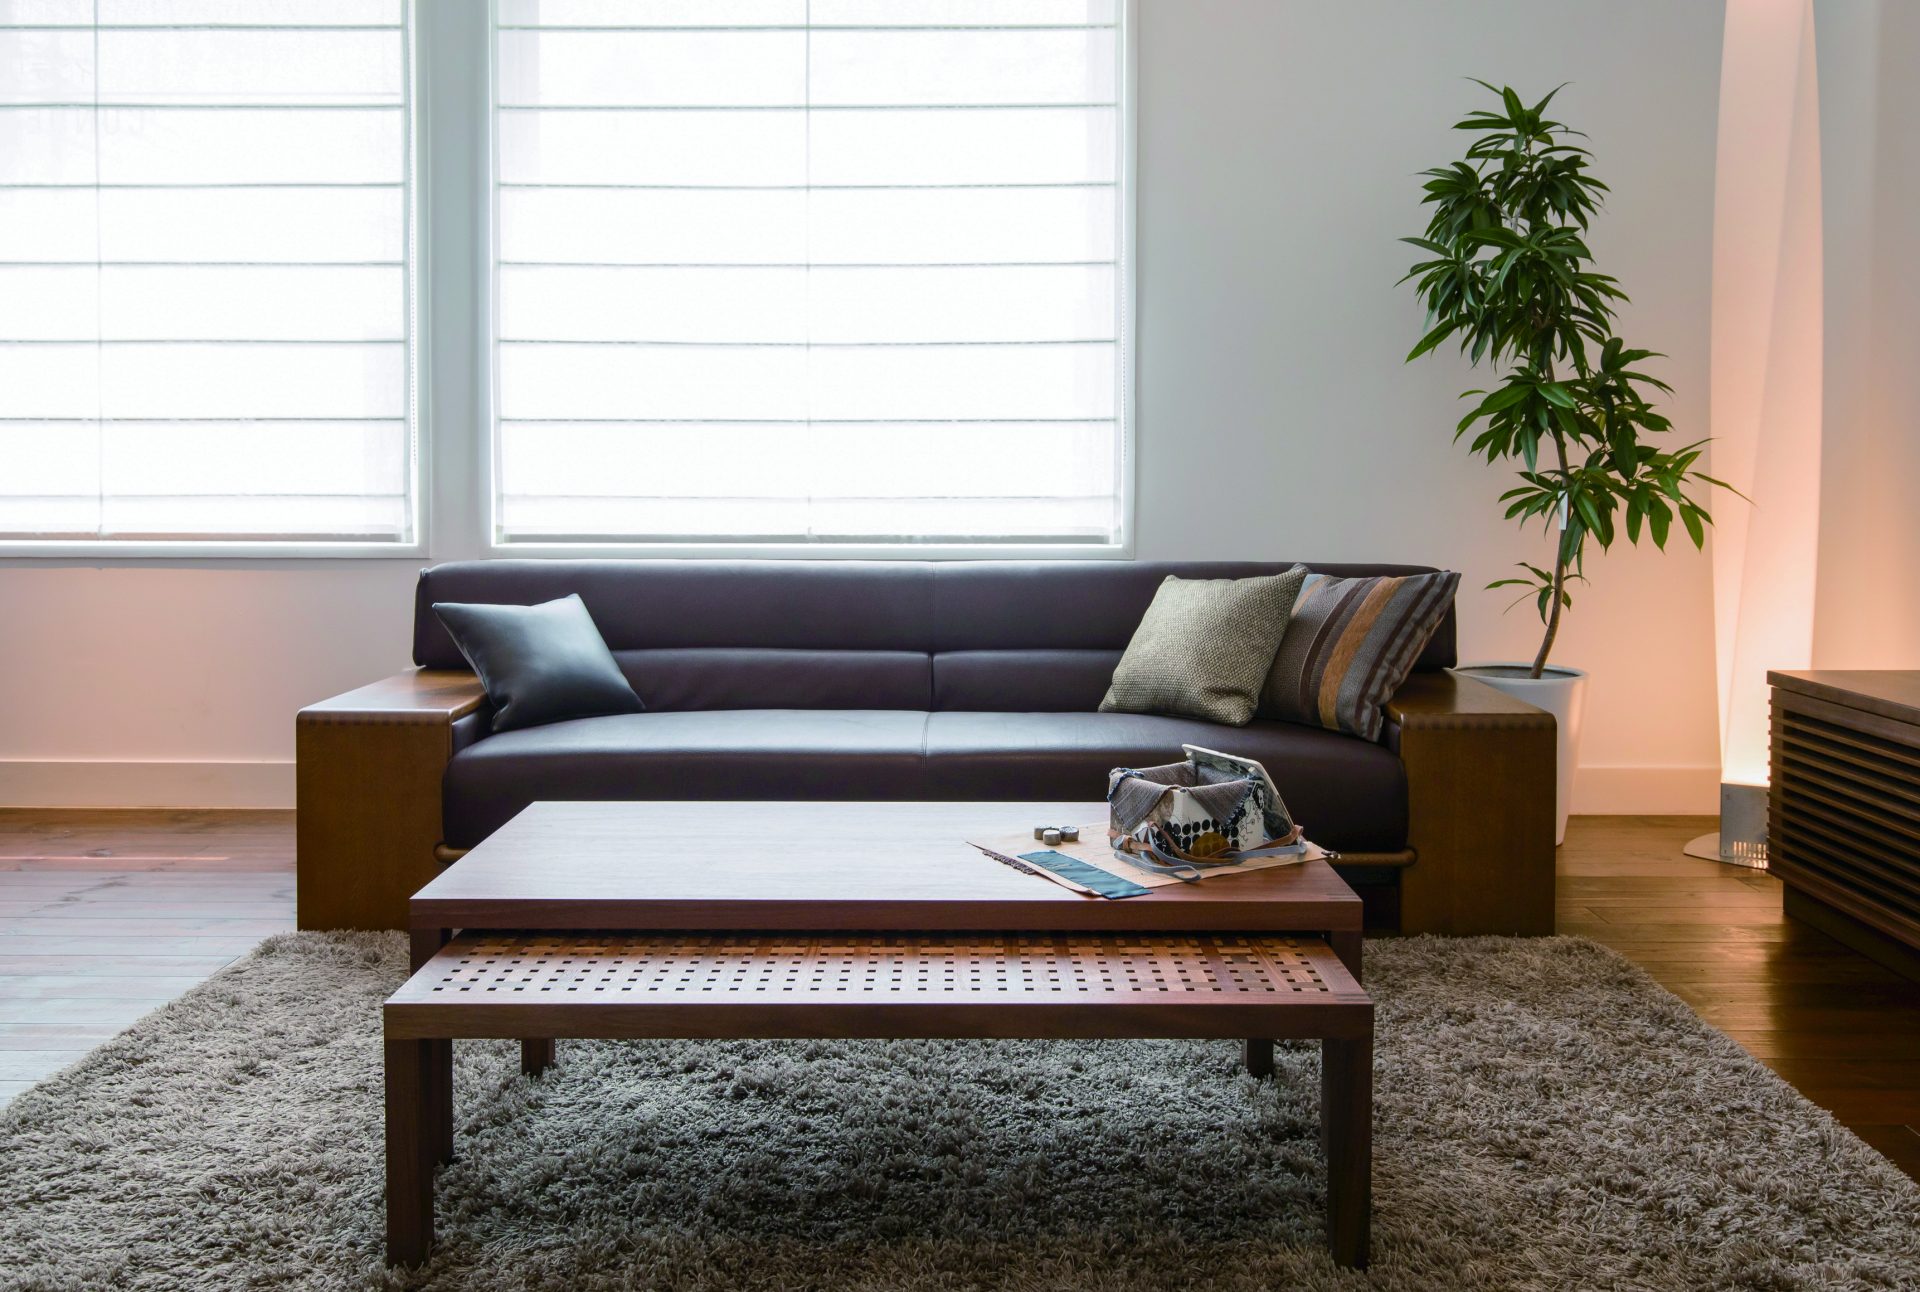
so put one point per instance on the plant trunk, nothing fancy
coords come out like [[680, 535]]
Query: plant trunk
[[1559, 570], [1553, 617]]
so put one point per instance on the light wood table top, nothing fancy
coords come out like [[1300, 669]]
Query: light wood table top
[[824, 867]]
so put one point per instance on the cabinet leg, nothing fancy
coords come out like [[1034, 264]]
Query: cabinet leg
[[1260, 1058], [536, 1056]]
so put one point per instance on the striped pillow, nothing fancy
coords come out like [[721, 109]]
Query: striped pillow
[[1350, 645]]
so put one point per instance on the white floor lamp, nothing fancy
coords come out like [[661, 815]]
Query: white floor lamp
[[1741, 839], [1766, 392]]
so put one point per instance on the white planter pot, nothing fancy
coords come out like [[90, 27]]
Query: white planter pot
[[1561, 692]]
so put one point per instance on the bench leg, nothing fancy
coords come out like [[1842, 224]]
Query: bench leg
[[412, 1140], [1346, 1127], [1260, 1058], [536, 1056]]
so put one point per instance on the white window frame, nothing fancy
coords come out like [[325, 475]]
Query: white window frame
[[109, 551], [452, 321], [1119, 548]]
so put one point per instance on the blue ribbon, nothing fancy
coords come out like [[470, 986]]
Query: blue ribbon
[[1081, 873]]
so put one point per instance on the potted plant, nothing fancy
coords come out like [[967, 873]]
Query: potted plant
[[1510, 280]]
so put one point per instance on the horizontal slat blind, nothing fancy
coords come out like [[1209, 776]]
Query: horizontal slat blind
[[204, 289], [809, 271]]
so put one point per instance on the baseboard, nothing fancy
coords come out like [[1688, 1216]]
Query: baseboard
[[1647, 791], [89, 783]]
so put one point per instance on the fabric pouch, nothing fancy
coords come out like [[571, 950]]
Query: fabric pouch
[[1213, 809]]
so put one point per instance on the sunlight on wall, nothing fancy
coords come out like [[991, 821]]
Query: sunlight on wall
[[1767, 365]]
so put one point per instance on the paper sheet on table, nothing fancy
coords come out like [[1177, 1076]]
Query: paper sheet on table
[[1094, 849]]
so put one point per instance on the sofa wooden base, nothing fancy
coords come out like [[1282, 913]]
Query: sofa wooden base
[[1480, 787]]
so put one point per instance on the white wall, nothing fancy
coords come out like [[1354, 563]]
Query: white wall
[[149, 686], [1279, 141], [1279, 144]]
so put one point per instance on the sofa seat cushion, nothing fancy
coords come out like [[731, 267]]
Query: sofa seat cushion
[[1349, 794], [710, 754]]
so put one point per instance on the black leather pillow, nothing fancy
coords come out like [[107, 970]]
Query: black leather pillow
[[541, 663]]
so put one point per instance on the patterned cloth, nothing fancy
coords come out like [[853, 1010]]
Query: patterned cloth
[[1210, 810], [1204, 647], [1139, 792], [1349, 646]]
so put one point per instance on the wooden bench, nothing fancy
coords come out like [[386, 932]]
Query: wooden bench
[[536, 986]]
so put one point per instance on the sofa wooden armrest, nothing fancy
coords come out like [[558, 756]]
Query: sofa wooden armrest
[[1480, 807], [367, 789]]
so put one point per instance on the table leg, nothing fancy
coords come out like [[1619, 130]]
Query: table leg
[[1346, 1122], [1260, 1058], [1346, 945], [439, 1106], [536, 1056], [410, 1152], [424, 944]]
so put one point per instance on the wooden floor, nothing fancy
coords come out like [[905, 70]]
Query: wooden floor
[[105, 915]]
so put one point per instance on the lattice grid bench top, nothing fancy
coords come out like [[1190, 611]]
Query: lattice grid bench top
[[514, 967]]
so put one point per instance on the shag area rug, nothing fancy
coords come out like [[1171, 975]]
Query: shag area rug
[[1546, 1117]]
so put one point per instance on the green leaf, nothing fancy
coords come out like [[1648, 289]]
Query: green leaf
[[1509, 279], [1432, 339], [1722, 484], [1690, 517]]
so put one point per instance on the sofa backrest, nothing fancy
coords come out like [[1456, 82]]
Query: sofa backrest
[[992, 635]]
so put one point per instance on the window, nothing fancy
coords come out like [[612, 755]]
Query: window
[[810, 272], [205, 299]]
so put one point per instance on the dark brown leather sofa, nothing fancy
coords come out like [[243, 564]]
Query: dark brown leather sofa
[[900, 680]]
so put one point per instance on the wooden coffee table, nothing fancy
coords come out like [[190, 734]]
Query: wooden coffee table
[[636, 919]]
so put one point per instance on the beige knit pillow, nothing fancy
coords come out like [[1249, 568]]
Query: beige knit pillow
[[1204, 647]]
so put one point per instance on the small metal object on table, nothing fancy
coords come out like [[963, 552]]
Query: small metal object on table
[[889, 873]]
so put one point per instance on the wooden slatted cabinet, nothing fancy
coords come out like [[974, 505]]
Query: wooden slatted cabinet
[[1844, 807]]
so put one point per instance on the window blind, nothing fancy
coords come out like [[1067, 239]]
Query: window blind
[[781, 271], [204, 291]]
